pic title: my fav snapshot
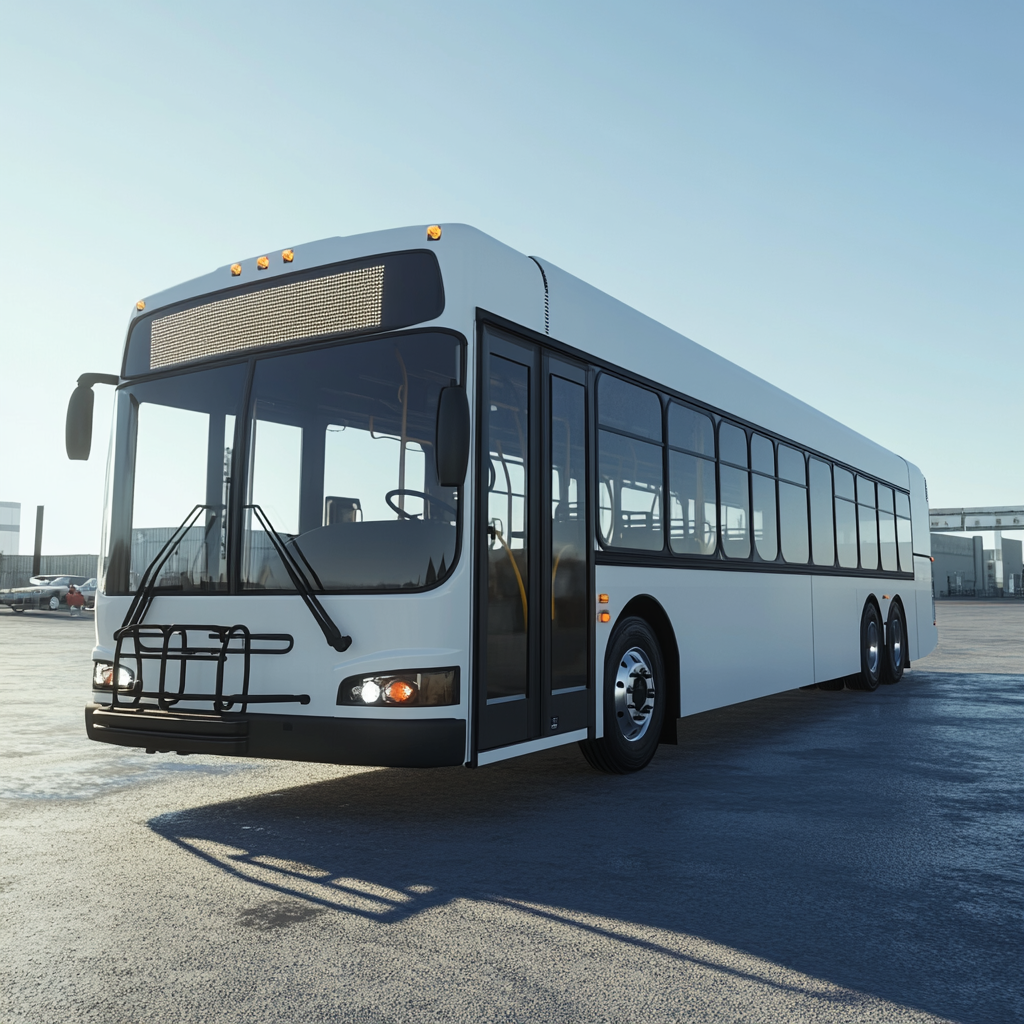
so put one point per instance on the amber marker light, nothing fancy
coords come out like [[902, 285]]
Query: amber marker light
[[400, 691], [263, 262], [288, 255], [236, 269], [605, 617], [140, 305], [434, 232], [602, 598]]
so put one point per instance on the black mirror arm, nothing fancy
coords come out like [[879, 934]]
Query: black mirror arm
[[87, 380]]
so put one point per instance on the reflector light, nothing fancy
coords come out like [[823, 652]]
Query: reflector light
[[605, 617], [434, 232], [236, 269], [400, 691], [140, 305], [602, 598], [288, 255], [263, 262]]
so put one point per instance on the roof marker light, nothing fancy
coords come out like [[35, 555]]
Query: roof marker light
[[140, 305], [288, 255], [434, 232], [263, 262], [236, 269]]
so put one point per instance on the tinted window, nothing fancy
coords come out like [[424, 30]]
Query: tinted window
[[846, 532], [791, 465], [822, 546], [905, 543], [629, 492], [691, 430], [623, 406], [868, 522], [693, 505], [902, 505], [885, 499], [735, 512], [762, 454], [865, 491], [844, 483], [766, 532], [793, 522], [732, 444], [887, 540], [342, 465]]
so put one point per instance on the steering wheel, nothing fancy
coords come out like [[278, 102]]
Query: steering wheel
[[416, 494]]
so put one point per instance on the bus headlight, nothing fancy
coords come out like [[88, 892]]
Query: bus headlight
[[103, 676], [431, 687]]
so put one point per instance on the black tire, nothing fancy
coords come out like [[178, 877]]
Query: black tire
[[16, 610], [872, 649], [634, 669], [895, 658]]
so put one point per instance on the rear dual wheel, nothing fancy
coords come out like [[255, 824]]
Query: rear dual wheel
[[883, 653], [634, 701]]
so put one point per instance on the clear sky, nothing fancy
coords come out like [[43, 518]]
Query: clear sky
[[829, 194]]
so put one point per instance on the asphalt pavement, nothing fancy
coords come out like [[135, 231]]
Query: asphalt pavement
[[812, 856]]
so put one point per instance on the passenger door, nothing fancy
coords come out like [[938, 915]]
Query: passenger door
[[534, 540]]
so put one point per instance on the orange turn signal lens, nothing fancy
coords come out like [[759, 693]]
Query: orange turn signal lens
[[602, 598], [288, 255], [236, 269], [434, 232], [263, 262], [605, 616], [140, 305], [400, 691]]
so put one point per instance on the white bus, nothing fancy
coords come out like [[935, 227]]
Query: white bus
[[412, 498]]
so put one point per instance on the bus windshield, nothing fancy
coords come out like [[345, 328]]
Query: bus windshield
[[339, 459]]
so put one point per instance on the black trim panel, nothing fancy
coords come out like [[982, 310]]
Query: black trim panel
[[383, 743], [618, 556]]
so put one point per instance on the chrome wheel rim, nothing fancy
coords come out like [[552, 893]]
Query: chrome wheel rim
[[871, 654], [634, 694], [896, 641]]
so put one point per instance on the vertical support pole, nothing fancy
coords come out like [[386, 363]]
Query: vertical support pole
[[998, 554], [37, 552]]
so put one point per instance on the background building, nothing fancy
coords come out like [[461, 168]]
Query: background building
[[964, 568], [10, 527]]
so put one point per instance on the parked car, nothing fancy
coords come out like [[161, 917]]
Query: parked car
[[88, 589], [51, 594]]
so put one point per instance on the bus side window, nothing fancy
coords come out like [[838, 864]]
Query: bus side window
[[823, 549], [735, 483], [693, 493], [903, 534], [629, 466], [766, 526], [846, 519], [867, 520], [793, 505], [886, 529]]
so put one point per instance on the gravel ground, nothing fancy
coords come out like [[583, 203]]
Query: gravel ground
[[812, 856]]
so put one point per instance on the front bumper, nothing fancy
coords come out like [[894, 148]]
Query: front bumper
[[385, 743]]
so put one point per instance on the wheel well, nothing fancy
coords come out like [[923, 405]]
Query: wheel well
[[645, 607]]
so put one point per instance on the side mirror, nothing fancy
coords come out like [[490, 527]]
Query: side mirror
[[451, 446], [78, 425]]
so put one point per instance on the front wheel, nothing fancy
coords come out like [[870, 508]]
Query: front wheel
[[634, 701], [54, 603], [895, 658]]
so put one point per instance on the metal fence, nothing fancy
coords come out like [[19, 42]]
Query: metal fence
[[15, 570]]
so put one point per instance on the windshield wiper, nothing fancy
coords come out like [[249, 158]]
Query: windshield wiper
[[147, 584], [331, 632]]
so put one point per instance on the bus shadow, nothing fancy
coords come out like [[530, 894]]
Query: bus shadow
[[800, 829]]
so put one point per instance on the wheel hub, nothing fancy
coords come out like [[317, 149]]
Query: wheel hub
[[635, 694]]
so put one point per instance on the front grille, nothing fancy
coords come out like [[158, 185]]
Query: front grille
[[350, 301]]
